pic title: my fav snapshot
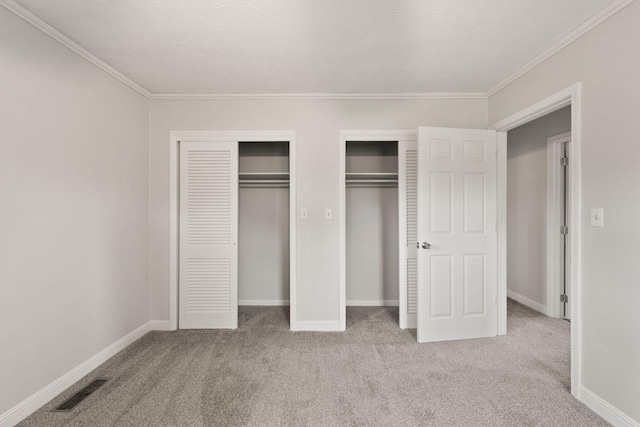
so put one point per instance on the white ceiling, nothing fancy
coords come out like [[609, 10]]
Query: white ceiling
[[315, 46]]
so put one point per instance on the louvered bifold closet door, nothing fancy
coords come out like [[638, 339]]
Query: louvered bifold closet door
[[208, 235], [408, 233]]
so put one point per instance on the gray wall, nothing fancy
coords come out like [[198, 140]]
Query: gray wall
[[527, 204], [372, 246], [607, 61], [73, 210], [263, 246]]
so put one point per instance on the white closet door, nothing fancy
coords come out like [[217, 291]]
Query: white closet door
[[208, 235], [408, 233], [457, 277]]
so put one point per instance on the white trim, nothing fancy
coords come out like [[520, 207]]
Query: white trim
[[569, 96], [264, 302], [541, 108], [534, 305], [34, 402], [319, 96], [159, 325], [606, 410], [293, 229], [555, 219], [379, 135], [501, 229], [175, 136], [355, 135], [587, 26], [317, 326], [373, 303], [41, 25]]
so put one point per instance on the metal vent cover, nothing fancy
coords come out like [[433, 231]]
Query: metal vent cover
[[74, 400]]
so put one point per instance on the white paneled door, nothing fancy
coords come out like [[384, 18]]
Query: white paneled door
[[208, 276], [457, 254]]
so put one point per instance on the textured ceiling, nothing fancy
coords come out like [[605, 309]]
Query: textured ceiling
[[315, 46]]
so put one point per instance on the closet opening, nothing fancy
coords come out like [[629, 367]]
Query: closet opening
[[378, 224], [263, 224], [371, 226], [232, 238]]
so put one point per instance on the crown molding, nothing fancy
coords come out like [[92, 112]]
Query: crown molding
[[308, 96], [594, 21], [29, 17]]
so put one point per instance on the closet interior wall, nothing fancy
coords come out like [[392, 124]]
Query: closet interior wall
[[372, 223], [263, 231]]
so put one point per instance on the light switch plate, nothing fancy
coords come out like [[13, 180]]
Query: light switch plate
[[304, 213], [328, 214], [597, 217]]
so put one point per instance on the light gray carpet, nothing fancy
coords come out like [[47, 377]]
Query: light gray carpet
[[374, 374]]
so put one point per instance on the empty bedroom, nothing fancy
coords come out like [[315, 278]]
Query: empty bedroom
[[304, 213]]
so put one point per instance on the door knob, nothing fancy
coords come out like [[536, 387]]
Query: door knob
[[426, 245]]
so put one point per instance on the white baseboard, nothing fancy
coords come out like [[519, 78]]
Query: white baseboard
[[606, 410], [373, 303], [159, 325], [268, 302], [316, 326], [528, 302], [28, 406]]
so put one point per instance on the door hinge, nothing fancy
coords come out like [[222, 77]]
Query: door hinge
[[564, 229], [564, 298], [564, 161]]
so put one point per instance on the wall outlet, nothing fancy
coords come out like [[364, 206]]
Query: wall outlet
[[304, 213], [328, 214], [597, 217]]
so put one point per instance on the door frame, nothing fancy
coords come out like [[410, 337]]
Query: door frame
[[175, 136], [570, 96], [357, 135], [555, 219]]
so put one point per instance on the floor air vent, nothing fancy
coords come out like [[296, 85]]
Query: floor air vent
[[74, 400]]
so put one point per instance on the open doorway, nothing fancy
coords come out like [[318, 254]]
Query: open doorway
[[537, 228], [570, 96], [537, 220]]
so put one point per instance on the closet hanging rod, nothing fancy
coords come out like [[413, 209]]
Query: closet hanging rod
[[377, 186], [371, 185], [263, 181], [264, 186], [266, 176], [372, 175], [372, 181]]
